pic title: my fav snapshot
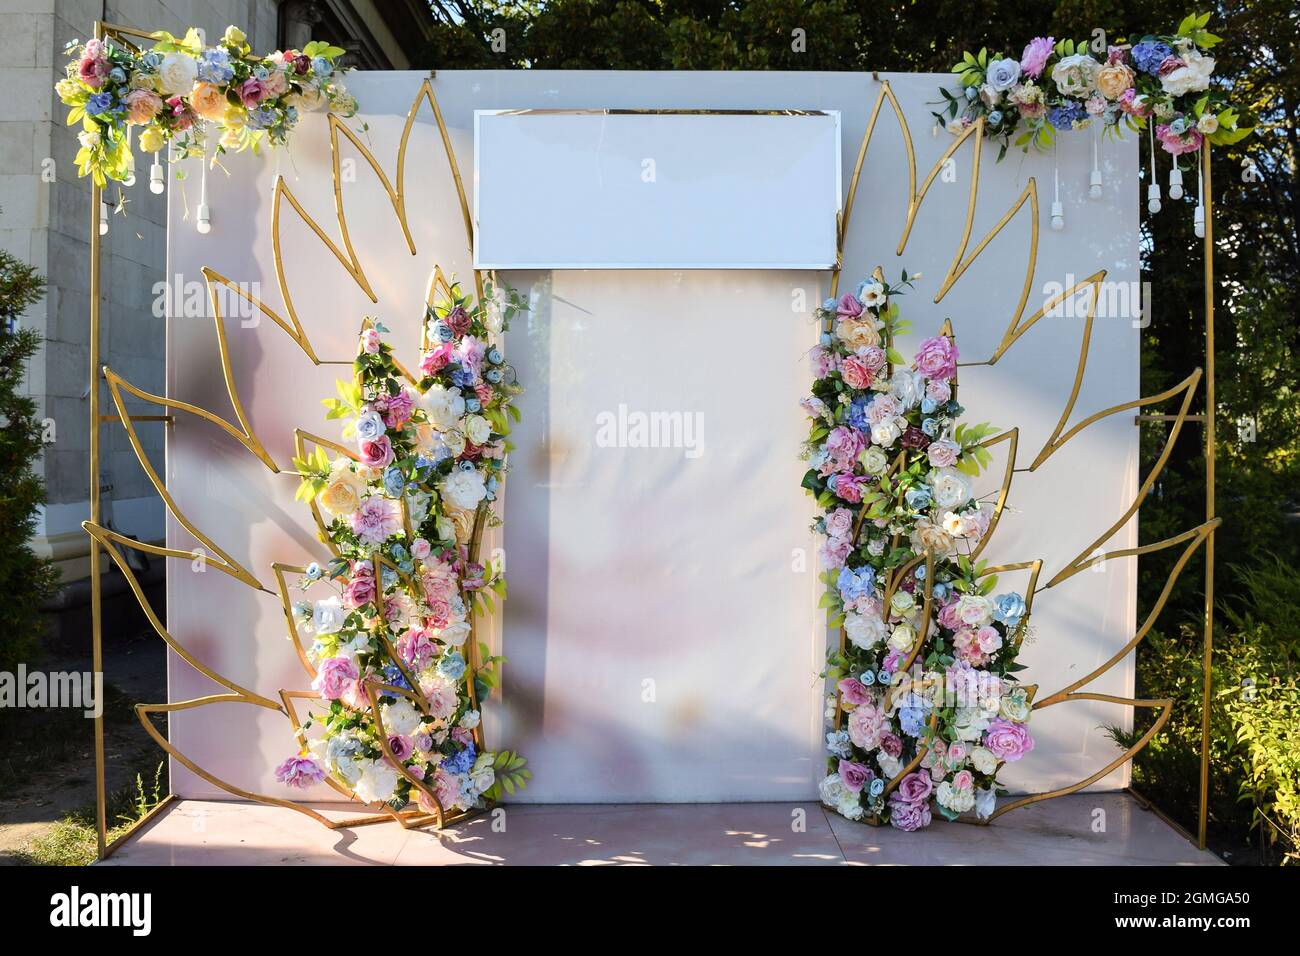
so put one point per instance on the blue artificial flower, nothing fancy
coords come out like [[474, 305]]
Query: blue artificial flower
[[451, 666], [930, 426], [388, 577], [321, 66], [1149, 54], [462, 377], [443, 332], [837, 744], [473, 405], [1064, 117], [261, 73], [928, 405], [884, 678], [394, 481], [215, 67], [827, 339], [98, 103], [393, 675], [493, 375], [313, 571], [918, 497], [876, 787], [117, 74], [495, 357], [466, 466], [1008, 609], [868, 678], [150, 61], [995, 117], [460, 762], [857, 414], [855, 584], [939, 592], [261, 118]]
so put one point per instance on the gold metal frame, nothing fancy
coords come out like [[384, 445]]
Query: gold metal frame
[[1017, 326], [112, 542]]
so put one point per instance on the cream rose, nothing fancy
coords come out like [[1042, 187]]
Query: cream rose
[[176, 74], [208, 101], [874, 460], [477, 429], [983, 760], [444, 406], [1076, 75], [928, 536], [858, 333], [343, 494], [864, 630], [950, 487]]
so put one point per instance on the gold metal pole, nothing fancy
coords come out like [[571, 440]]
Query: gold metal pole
[[1208, 652], [96, 622]]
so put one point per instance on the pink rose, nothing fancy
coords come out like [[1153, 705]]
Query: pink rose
[[963, 780], [1035, 55], [909, 816], [866, 724], [853, 691], [839, 523], [417, 650], [936, 358], [399, 410], [336, 676], [275, 84], [416, 771], [891, 744], [360, 590], [943, 453], [1176, 144], [377, 453], [873, 357], [142, 106], [854, 776], [459, 321], [376, 520], [1008, 740], [1134, 103], [835, 551], [370, 340], [440, 612], [916, 787], [855, 373], [937, 392], [948, 616], [823, 361], [849, 487], [94, 66], [420, 549]]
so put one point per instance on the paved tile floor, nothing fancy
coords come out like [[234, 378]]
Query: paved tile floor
[[1056, 832]]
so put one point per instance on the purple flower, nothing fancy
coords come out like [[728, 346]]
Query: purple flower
[[1035, 56], [1064, 117], [916, 787], [855, 776], [909, 816], [1007, 740], [299, 772], [401, 746]]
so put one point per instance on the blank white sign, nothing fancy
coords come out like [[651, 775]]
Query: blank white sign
[[655, 189]]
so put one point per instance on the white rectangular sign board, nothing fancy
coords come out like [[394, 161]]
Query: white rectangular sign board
[[655, 189]]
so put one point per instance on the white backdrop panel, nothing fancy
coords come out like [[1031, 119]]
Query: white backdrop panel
[[629, 564], [608, 190]]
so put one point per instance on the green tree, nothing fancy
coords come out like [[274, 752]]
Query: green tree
[[25, 580]]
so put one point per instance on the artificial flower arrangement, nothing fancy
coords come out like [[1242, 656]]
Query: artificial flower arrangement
[[402, 514], [177, 89], [1061, 85], [927, 707]]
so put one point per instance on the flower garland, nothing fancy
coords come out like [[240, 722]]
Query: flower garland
[[1056, 86], [174, 89], [402, 515], [932, 711]]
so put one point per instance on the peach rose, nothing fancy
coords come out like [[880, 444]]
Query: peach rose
[[858, 333], [1114, 79], [142, 106], [342, 496], [208, 101]]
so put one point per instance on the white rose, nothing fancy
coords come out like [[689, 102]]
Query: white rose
[[903, 638], [950, 487], [444, 406], [463, 489], [377, 782], [1207, 124], [177, 74], [454, 634], [469, 720], [908, 387], [339, 755], [327, 616], [477, 429], [974, 610], [400, 718], [89, 138], [985, 802], [864, 630], [1076, 75], [369, 426], [307, 101], [970, 723], [1193, 77], [983, 760], [891, 767], [885, 433], [874, 461]]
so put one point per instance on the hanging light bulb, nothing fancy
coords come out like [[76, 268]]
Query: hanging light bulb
[[1175, 182], [1058, 210], [129, 181], [1153, 190], [1094, 179], [156, 182], [103, 218], [1198, 217], [203, 220]]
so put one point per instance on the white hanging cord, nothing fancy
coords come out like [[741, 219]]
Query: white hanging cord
[[130, 158], [203, 220], [1058, 210], [1094, 180], [1153, 190], [1198, 219]]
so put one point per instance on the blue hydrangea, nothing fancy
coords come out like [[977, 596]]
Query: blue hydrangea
[[1149, 54], [451, 666], [1064, 117], [98, 103], [462, 377], [855, 584], [393, 675], [215, 67], [857, 414], [460, 762], [394, 481], [837, 744]]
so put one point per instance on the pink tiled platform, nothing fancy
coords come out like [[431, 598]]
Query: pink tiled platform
[[1056, 832]]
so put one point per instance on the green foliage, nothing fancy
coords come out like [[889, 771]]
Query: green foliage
[[25, 580]]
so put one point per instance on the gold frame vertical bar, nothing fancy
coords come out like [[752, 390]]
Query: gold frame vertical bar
[[96, 620], [1208, 649]]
